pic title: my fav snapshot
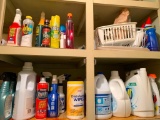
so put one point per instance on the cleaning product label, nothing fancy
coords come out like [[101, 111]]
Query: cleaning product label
[[41, 103], [8, 106], [114, 103], [103, 104], [14, 36], [75, 100], [30, 106], [38, 35], [53, 104], [131, 90], [27, 32], [62, 104], [46, 37], [55, 37]]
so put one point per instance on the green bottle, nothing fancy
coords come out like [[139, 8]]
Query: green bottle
[[5, 101]]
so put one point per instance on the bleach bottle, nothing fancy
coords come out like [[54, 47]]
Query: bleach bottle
[[139, 90], [53, 99], [102, 97], [155, 92], [24, 107]]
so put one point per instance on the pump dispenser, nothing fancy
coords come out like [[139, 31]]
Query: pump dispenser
[[61, 78], [15, 31], [5, 102], [53, 104]]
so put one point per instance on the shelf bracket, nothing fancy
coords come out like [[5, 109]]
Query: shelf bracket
[[11, 60]]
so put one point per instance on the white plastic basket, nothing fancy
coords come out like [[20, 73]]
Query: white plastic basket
[[116, 35]]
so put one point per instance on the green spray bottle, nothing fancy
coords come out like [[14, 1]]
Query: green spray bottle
[[5, 101]]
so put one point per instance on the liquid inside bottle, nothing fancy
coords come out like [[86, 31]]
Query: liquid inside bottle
[[69, 32]]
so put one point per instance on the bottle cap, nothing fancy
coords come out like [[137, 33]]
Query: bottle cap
[[29, 17], [46, 22], [42, 80], [28, 65], [54, 79], [63, 28], [114, 74], [148, 22], [69, 14], [152, 76]]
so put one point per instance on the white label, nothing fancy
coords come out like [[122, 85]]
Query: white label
[[29, 106], [103, 104], [8, 106]]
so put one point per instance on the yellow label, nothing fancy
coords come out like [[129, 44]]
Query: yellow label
[[75, 101]]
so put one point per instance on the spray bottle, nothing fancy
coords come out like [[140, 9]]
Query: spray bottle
[[39, 30], [5, 102], [15, 31], [42, 99], [53, 99], [61, 78]]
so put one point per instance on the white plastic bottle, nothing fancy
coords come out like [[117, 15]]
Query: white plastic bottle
[[24, 107], [27, 32], [139, 90], [61, 78], [121, 104], [155, 92], [102, 97]]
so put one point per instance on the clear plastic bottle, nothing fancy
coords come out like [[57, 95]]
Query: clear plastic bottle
[[70, 32]]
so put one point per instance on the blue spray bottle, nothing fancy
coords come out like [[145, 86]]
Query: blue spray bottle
[[53, 99], [152, 41], [5, 101]]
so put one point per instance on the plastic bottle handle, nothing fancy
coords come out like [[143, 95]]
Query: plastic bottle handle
[[122, 87]]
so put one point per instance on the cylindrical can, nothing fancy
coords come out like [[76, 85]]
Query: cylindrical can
[[75, 99], [41, 100]]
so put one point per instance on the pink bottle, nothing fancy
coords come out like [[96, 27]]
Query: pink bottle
[[69, 32]]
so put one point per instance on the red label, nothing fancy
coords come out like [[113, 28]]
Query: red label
[[12, 35], [41, 100], [46, 37]]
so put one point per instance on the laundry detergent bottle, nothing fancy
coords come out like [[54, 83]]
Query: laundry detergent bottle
[[24, 107], [139, 90], [121, 104], [102, 97], [5, 101]]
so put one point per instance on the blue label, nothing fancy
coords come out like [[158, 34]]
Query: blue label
[[53, 100], [114, 104], [62, 104], [103, 104], [131, 91]]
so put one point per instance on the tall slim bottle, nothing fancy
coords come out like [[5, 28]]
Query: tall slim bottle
[[69, 32]]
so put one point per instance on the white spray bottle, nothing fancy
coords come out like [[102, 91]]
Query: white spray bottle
[[61, 78]]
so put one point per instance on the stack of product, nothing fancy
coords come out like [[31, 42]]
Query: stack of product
[[19, 101], [49, 33]]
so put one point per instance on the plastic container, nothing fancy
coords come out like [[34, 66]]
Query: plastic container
[[62, 36], [69, 32], [121, 104], [102, 97], [15, 31], [75, 99], [139, 90], [39, 30], [42, 100], [61, 78], [27, 32], [5, 101], [53, 99], [155, 93], [25, 93], [122, 34]]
